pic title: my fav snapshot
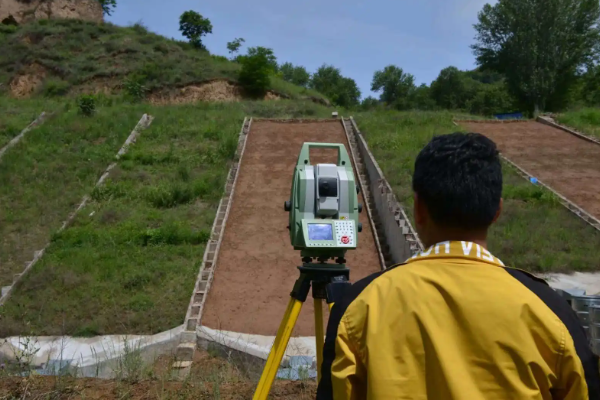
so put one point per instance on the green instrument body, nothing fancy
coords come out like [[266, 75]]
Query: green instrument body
[[323, 207]]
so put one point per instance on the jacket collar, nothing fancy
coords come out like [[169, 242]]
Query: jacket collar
[[457, 249]]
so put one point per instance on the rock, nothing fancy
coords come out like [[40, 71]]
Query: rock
[[23, 11]]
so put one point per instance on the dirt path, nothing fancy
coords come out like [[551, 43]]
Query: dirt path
[[568, 164], [257, 265]]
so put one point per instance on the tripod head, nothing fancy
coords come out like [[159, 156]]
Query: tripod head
[[323, 206]]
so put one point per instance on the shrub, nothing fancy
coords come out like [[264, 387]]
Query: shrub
[[54, 88], [254, 75], [219, 58], [87, 105], [134, 87], [8, 29], [140, 27]]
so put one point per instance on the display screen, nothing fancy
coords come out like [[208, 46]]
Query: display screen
[[320, 232]]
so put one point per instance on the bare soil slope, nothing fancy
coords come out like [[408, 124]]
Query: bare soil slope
[[257, 265], [565, 162]]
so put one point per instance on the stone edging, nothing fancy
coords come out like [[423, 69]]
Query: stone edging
[[144, 122], [364, 186], [187, 347], [545, 121], [393, 208]]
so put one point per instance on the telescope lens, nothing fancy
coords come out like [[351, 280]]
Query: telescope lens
[[328, 187]]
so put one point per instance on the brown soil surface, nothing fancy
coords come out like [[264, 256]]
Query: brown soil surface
[[210, 378], [256, 269], [216, 90], [28, 82], [568, 164]]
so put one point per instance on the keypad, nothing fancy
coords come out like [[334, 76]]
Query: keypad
[[345, 233]]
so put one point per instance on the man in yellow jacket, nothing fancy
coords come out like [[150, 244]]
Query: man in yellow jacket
[[453, 322]]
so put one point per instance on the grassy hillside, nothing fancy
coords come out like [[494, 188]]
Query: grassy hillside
[[129, 261], [72, 55], [534, 233], [585, 120]]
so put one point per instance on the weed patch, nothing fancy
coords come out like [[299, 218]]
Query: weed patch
[[585, 120]]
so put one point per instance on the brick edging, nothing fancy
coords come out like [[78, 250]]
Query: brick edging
[[186, 348], [543, 120]]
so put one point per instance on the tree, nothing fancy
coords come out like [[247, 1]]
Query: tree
[[267, 53], [297, 75], [538, 45], [193, 26], [108, 6], [254, 77], [490, 99], [342, 91], [369, 103], [421, 98], [393, 83], [449, 90], [234, 45]]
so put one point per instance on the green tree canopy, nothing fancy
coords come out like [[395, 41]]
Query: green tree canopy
[[449, 90], [421, 99], [369, 103], [393, 83], [193, 26], [234, 45], [265, 52], [538, 45], [341, 90], [254, 77], [295, 74]]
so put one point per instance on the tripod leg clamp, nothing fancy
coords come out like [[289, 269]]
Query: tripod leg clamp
[[301, 288]]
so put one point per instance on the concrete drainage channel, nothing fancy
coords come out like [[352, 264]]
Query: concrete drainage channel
[[395, 240]]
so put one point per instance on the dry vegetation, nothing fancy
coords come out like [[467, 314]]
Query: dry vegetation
[[210, 378]]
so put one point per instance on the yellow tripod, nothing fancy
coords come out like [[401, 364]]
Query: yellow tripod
[[328, 282]]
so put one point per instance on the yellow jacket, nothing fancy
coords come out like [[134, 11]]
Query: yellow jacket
[[454, 323]]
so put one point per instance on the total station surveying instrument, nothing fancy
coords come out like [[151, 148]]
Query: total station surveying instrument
[[323, 211]]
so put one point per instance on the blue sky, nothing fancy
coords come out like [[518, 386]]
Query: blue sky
[[359, 37]]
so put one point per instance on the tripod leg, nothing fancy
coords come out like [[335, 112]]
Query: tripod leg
[[319, 335], [278, 350]]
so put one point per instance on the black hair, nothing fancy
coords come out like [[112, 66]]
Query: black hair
[[459, 178]]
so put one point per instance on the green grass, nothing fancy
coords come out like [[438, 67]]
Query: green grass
[[585, 120], [535, 232], [16, 116], [129, 262], [84, 55], [45, 176]]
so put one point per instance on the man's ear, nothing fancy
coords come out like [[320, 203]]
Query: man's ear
[[500, 205]]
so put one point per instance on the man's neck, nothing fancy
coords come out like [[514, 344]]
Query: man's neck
[[477, 238]]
